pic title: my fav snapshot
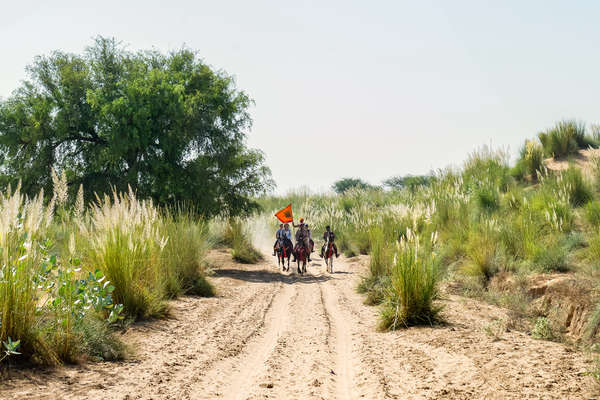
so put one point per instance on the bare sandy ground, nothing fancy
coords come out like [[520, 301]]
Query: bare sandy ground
[[273, 335]]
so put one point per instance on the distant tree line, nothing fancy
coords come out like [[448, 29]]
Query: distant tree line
[[410, 182], [166, 124]]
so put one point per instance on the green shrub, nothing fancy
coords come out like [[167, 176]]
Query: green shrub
[[98, 340], [594, 247], [374, 288], [381, 254], [531, 159], [487, 167], [202, 287], [482, 255], [578, 188], [550, 255], [595, 166], [592, 213], [488, 199], [242, 249], [542, 329], [380, 263], [413, 287], [183, 255], [563, 139], [593, 323]]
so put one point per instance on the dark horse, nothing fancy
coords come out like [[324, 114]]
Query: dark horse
[[301, 259], [284, 250]]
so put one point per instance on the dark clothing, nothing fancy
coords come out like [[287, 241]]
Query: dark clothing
[[329, 234]]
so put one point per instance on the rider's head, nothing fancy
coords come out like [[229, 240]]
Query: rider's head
[[281, 225], [286, 226], [301, 220], [327, 227]]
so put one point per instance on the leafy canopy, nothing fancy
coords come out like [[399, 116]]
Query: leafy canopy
[[168, 125], [412, 182], [345, 184]]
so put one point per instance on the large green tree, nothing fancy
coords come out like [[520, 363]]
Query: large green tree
[[344, 184], [168, 125], [412, 182]]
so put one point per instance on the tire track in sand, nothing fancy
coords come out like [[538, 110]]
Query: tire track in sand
[[341, 346], [252, 360]]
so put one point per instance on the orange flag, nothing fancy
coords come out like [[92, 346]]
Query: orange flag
[[285, 215]]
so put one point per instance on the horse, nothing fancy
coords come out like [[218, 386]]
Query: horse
[[328, 255], [284, 250], [301, 259]]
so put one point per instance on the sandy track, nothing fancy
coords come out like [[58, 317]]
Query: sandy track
[[281, 336]]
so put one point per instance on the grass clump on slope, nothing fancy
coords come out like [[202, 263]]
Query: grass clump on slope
[[413, 288]]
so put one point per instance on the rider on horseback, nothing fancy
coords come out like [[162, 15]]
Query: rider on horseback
[[302, 238], [284, 235], [329, 235], [277, 237]]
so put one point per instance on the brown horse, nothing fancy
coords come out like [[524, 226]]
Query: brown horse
[[301, 259], [328, 255], [284, 250]]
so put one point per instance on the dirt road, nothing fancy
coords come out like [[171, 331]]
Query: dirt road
[[273, 335]]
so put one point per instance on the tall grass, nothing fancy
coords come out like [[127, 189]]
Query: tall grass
[[380, 263], [482, 254], [531, 160], [565, 138], [127, 245], [149, 254], [46, 302], [184, 255], [409, 299], [69, 272], [21, 225]]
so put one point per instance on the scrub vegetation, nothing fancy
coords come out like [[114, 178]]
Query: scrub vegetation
[[489, 230], [71, 272]]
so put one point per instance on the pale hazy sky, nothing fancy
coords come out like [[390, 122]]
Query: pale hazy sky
[[356, 88]]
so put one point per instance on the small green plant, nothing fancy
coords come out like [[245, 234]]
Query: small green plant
[[10, 348], [542, 329], [595, 371], [550, 255], [495, 329], [593, 323]]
